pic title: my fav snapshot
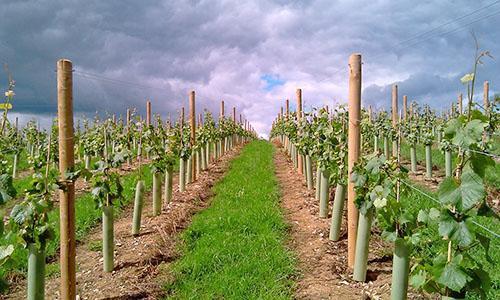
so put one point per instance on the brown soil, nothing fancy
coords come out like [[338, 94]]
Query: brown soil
[[138, 260], [323, 263]]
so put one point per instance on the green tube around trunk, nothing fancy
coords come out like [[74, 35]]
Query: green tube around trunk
[[207, 155], [36, 272], [337, 212], [386, 147], [428, 161], [304, 170], [309, 175], [325, 193], [447, 162], [169, 174], [108, 241], [395, 148], [87, 159], [203, 154], [362, 243], [198, 161], [375, 144], [138, 205], [400, 270], [216, 150], [413, 158], [182, 175], [156, 193], [318, 182], [294, 157], [14, 166], [189, 170]]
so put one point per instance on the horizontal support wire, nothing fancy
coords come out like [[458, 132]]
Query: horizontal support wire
[[437, 201]]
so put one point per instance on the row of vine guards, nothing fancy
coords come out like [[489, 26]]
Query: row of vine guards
[[373, 180], [196, 146]]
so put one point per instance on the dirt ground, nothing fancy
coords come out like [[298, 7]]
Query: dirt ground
[[138, 260], [323, 271]]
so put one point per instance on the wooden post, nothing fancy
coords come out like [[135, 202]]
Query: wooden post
[[287, 108], [370, 114], [486, 96], [222, 108], [66, 162], [405, 107], [394, 118], [460, 107], [353, 151], [192, 116], [148, 113], [299, 117]]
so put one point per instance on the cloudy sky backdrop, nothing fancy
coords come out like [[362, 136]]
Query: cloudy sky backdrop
[[252, 54]]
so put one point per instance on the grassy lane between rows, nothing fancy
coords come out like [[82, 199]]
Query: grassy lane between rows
[[235, 248]]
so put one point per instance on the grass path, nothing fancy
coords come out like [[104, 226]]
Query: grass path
[[235, 248]]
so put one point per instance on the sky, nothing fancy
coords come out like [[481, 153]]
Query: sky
[[251, 54]]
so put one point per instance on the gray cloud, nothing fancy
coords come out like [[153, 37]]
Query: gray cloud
[[223, 48]]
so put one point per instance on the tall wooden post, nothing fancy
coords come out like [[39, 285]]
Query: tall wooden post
[[353, 151], [128, 118], [222, 108], [394, 118], [405, 107], [287, 104], [66, 162], [148, 113], [460, 107], [192, 116], [486, 96], [299, 117]]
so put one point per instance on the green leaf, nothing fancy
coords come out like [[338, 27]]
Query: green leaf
[[449, 192], [479, 163], [422, 217], [485, 242], [472, 190], [5, 252], [7, 190], [389, 236], [358, 179], [434, 214], [453, 277], [452, 127], [418, 280], [464, 196], [447, 226], [470, 134], [462, 235]]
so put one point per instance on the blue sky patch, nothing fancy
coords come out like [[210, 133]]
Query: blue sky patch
[[272, 80]]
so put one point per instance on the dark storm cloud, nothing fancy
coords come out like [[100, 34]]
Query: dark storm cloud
[[161, 49]]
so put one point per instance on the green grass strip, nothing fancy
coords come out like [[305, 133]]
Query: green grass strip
[[235, 248]]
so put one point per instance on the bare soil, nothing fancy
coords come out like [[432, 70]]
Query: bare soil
[[323, 270], [138, 260]]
